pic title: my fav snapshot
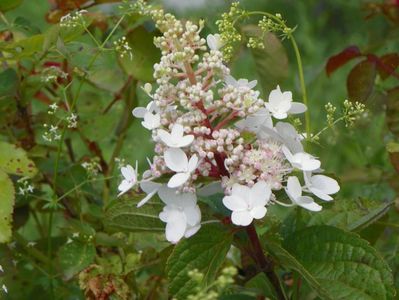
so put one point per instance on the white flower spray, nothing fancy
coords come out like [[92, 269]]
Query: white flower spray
[[207, 125]]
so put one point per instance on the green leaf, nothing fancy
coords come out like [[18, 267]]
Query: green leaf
[[262, 285], [124, 215], [393, 150], [25, 47], [6, 5], [350, 214], [8, 82], [145, 54], [290, 262], [343, 263], [393, 111], [271, 61], [360, 81], [14, 160], [76, 256], [205, 252], [7, 198]]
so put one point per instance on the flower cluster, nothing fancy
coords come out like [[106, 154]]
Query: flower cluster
[[209, 127]]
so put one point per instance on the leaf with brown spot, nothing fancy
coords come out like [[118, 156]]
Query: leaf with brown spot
[[14, 160]]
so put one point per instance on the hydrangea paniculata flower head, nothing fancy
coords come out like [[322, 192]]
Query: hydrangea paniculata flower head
[[210, 127]]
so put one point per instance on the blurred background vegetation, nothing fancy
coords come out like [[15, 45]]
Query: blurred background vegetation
[[357, 157]]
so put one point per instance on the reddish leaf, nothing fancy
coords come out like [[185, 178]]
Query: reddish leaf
[[393, 110], [342, 58], [360, 81], [387, 64]]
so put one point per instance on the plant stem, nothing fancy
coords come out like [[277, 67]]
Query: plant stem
[[265, 264], [298, 60]]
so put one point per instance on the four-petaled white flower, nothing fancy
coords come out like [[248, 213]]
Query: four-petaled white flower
[[301, 160], [176, 139], [230, 80], [150, 114], [247, 203], [177, 161], [214, 41], [130, 179], [181, 214], [294, 192], [280, 104], [321, 186]]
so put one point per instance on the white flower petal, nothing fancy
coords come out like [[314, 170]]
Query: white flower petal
[[146, 198], [151, 121], [193, 215], [297, 108], [176, 160], [235, 203], [128, 172], [167, 195], [175, 227], [177, 131], [260, 194], [178, 179], [150, 186], [165, 137], [324, 183], [186, 140], [320, 194], [193, 163], [139, 112], [241, 191], [124, 186], [294, 189], [308, 203], [258, 212], [242, 218]]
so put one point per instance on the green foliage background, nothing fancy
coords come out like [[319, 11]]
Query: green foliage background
[[103, 234]]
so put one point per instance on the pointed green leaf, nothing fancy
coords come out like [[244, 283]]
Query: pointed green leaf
[[343, 263], [205, 252], [124, 215]]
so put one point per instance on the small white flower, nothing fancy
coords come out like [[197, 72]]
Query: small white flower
[[150, 114], [75, 235], [230, 80], [1, 268], [177, 161], [321, 186], [214, 41], [31, 244], [301, 160], [294, 192], [4, 288], [176, 139], [130, 180], [247, 203], [69, 240], [280, 104], [181, 214]]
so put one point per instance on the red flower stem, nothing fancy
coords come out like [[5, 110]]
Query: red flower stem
[[266, 265]]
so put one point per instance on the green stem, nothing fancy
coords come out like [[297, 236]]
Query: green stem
[[298, 60]]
